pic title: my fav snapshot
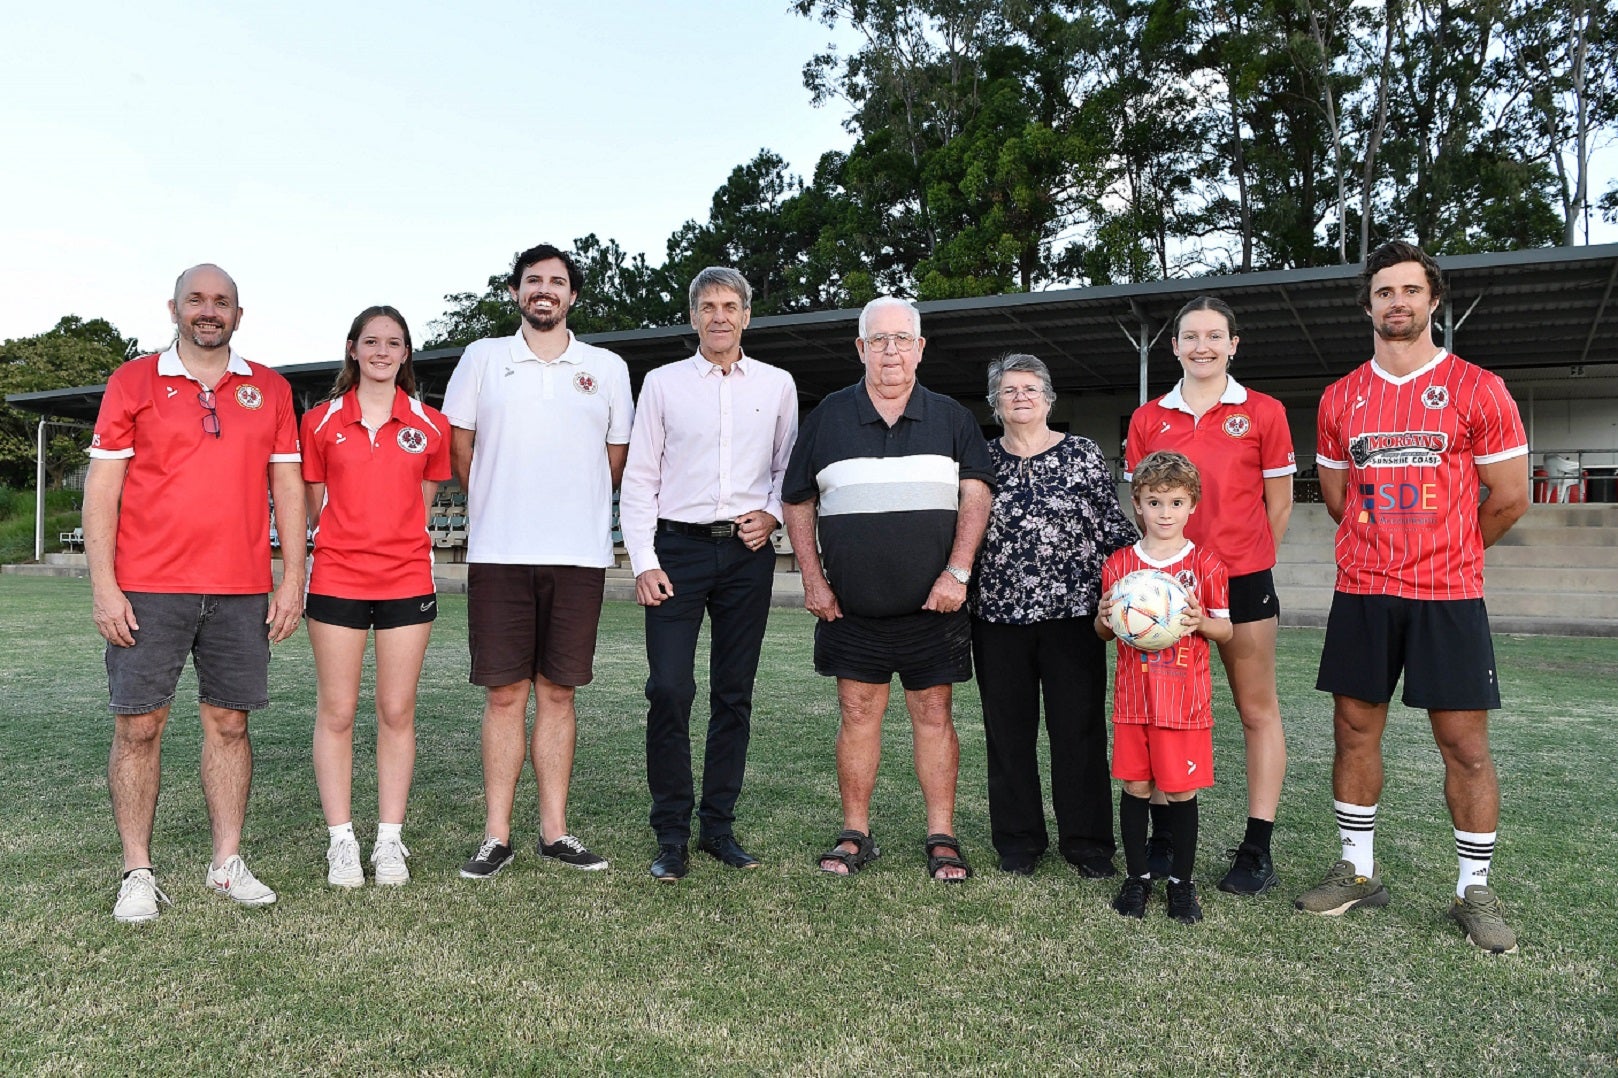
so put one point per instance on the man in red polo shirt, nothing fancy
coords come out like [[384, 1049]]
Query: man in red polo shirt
[[188, 447]]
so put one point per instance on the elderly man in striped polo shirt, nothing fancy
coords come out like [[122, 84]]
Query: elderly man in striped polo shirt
[[898, 479]]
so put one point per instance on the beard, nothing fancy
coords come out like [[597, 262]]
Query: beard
[[1413, 330], [545, 320], [196, 334]]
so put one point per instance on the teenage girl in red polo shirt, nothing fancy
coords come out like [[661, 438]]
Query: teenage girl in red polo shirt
[[373, 457], [1242, 447]]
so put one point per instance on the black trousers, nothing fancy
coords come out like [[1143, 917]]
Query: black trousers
[[1064, 660], [731, 584]]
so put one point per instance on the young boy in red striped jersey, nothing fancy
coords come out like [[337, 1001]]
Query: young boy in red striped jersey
[[1161, 709]]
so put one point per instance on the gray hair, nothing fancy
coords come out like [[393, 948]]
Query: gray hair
[[721, 277], [1017, 363], [891, 301]]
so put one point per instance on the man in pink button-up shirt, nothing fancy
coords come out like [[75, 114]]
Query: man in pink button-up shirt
[[701, 495]]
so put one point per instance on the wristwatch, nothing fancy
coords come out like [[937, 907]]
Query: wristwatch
[[961, 575]]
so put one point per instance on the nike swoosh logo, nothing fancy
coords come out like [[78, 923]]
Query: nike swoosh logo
[[428, 606]]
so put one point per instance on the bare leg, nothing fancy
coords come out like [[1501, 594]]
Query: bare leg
[[227, 776], [1249, 658], [339, 653], [555, 735], [399, 654], [1356, 769], [938, 757], [859, 751], [134, 768], [1470, 784], [505, 715]]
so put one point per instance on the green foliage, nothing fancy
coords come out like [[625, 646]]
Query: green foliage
[[72, 353]]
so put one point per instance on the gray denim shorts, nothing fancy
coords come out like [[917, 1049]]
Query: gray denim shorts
[[225, 635]]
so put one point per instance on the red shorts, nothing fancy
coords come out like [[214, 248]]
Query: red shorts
[[1175, 761]]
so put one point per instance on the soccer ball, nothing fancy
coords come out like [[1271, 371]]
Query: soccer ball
[[1146, 610]]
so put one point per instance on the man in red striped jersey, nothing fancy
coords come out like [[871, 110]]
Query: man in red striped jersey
[[1406, 440]]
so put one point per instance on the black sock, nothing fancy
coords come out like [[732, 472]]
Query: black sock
[[1132, 817], [126, 875], [1162, 821], [1258, 833], [1183, 824]]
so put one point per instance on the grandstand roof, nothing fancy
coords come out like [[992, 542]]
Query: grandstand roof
[[1512, 313]]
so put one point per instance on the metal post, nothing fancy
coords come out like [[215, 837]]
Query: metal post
[[39, 495], [1145, 351], [1449, 327]]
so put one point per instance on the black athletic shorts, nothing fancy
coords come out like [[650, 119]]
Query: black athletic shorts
[[1253, 598], [925, 649], [1442, 647], [370, 613]]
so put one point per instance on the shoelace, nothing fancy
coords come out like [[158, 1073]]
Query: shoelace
[[391, 849], [488, 847], [573, 844], [146, 882], [1487, 909], [347, 854]]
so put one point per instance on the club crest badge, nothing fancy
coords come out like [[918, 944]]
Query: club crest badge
[[1187, 579], [585, 383], [412, 440], [250, 397], [1435, 397], [1238, 425]]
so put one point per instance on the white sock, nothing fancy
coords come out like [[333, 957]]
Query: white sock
[[389, 830], [342, 831], [1474, 850], [1356, 826]]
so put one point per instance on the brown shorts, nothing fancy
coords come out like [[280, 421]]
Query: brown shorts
[[524, 620]]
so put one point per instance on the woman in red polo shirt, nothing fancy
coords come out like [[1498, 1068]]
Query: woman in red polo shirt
[[1240, 443], [373, 456]]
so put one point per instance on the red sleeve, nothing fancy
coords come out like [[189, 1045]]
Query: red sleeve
[[1135, 444], [1276, 456], [1328, 444], [438, 469], [314, 455], [286, 425], [1497, 430], [1215, 585], [115, 422], [1111, 572]]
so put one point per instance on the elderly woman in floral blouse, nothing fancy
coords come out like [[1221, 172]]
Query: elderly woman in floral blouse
[[1056, 517]]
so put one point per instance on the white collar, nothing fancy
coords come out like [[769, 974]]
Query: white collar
[[1235, 393], [524, 354], [170, 366], [706, 367], [1155, 563], [1400, 380]]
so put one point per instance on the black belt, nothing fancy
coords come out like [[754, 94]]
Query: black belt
[[719, 529]]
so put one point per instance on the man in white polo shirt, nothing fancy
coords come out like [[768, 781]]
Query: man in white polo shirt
[[701, 496], [540, 430]]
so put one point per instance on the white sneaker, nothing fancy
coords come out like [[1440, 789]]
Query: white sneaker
[[232, 880], [343, 857], [138, 896], [388, 855]]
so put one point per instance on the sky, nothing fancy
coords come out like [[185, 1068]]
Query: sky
[[335, 155]]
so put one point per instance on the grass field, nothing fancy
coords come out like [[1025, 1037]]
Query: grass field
[[781, 970]]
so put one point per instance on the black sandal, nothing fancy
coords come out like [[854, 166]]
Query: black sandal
[[937, 861], [855, 859]]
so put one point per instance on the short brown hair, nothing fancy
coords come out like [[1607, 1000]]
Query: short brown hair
[[1393, 253], [1165, 470]]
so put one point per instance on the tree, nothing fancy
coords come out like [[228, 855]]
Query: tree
[[72, 353]]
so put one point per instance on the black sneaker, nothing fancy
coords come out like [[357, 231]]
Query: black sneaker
[[486, 864], [1252, 872], [1183, 904], [1131, 900], [1160, 856], [571, 852]]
